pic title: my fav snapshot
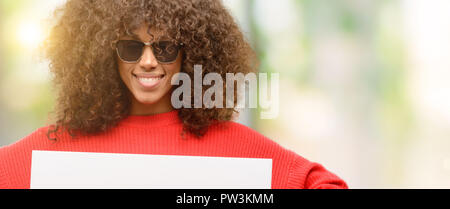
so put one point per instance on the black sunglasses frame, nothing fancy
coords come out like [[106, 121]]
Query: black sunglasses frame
[[178, 47]]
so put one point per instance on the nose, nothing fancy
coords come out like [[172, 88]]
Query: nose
[[148, 59]]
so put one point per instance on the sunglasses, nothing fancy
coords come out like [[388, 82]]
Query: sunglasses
[[130, 51]]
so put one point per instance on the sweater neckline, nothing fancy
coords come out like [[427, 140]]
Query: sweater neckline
[[151, 121]]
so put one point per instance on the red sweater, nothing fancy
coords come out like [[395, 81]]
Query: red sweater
[[160, 135]]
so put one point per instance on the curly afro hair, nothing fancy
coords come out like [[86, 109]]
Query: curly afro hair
[[91, 96]]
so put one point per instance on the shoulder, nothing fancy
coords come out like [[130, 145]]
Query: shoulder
[[21, 148], [15, 158], [231, 128], [240, 134], [36, 138]]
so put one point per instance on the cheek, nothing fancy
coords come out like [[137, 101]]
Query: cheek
[[173, 68], [125, 72], [170, 70]]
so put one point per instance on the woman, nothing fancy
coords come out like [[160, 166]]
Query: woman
[[113, 62]]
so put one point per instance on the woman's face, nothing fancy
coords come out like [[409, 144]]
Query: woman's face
[[148, 81]]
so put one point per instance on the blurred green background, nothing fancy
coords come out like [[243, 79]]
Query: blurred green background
[[364, 84]]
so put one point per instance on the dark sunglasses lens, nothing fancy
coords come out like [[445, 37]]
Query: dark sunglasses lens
[[165, 51], [130, 50]]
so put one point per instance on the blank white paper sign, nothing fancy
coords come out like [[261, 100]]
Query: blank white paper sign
[[76, 170]]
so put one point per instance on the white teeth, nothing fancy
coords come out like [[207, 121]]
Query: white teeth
[[149, 80]]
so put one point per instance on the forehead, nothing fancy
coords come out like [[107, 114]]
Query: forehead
[[146, 33]]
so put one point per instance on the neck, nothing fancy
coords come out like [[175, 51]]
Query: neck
[[162, 106]]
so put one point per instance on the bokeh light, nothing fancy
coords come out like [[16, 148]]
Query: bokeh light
[[30, 34]]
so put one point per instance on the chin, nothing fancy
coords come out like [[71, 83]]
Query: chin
[[148, 100]]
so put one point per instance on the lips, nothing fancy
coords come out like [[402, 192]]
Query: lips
[[149, 81]]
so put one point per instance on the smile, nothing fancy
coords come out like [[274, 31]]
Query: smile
[[149, 82]]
